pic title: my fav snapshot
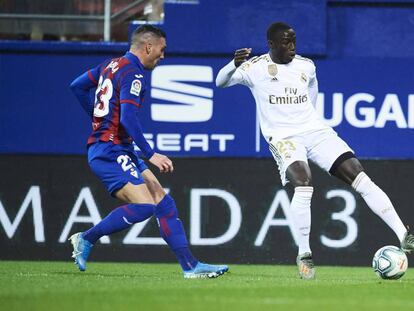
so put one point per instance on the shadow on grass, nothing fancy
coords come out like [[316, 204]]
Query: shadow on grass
[[111, 275]]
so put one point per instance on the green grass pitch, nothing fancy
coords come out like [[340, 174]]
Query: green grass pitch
[[49, 286]]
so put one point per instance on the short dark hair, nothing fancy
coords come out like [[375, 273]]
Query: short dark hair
[[275, 28], [146, 29]]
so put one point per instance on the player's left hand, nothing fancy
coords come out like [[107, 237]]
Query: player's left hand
[[162, 162], [241, 55]]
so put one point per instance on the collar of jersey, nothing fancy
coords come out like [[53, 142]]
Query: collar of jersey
[[271, 60], [134, 59]]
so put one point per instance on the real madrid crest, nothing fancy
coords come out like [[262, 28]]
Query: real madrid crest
[[303, 78], [272, 69]]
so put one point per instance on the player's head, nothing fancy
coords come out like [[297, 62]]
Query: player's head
[[148, 43], [281, 39]]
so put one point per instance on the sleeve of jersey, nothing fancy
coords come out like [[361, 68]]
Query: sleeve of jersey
[[313, 88], [82, 86], [131, 88], [130, 121], [130, 99], [230, 75]]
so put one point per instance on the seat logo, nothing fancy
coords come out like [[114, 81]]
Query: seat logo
[[176, 99]]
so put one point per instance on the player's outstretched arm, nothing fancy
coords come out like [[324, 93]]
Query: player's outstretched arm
[[81, 87], [130, 99], [313, 89], [228, 75]]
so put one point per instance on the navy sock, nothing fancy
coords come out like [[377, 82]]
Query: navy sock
[[172, 231], [119, 219]]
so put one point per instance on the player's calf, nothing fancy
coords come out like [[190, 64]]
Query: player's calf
[[172, 231]]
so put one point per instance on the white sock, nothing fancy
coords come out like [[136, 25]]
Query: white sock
[[301, 211], [379, 203]]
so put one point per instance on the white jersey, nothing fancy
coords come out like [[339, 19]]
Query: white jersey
[[285, 94]]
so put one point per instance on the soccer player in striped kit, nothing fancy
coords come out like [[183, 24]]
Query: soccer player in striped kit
[[285, 89], [120, 87]]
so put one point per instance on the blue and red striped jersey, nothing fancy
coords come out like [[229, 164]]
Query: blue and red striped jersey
[[118, 81]]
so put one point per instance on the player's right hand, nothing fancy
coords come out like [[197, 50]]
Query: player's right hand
[[162, 162], [241, 55]]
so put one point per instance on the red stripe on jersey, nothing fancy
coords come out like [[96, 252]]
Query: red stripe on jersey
[[113, 127], [91, 77], [91, 140], [115, 132], [130, 101]]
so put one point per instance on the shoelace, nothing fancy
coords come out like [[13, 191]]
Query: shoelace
[[76, 250], [74, 254]]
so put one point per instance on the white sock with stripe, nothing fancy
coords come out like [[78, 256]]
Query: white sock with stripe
[[379, 203], [301, 212]]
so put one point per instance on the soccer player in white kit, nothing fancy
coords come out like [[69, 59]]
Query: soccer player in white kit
[[285, 89]]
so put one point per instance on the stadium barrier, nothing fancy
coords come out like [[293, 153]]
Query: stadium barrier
[[234, 210]]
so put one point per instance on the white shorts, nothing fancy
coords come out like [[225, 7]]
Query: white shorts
[[321, 147]]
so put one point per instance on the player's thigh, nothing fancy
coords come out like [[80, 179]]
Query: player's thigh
[[137, 194], [286, 152], [329, 151], [153, 185]]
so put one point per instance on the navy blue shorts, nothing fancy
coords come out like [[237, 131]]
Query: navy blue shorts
[[116, 165]]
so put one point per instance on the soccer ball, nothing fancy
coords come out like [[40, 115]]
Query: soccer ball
[[390, 262]]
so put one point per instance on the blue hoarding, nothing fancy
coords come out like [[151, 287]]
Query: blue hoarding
[[218, 26], [370, 102]]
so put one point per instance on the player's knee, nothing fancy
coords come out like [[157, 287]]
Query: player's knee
[[155, 189], [134, 194], [139, 212], [299, 174], [158, 193], [347, 170], [166, 208], [302, 182]]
